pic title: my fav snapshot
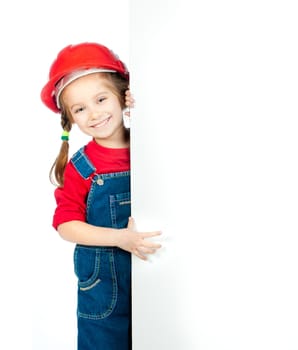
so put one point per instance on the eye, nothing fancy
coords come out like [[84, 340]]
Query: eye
[[78, 110], [101, 99]]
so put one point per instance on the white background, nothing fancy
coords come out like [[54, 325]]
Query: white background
[[38, 286], [214, 158]]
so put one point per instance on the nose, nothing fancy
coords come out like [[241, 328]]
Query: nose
[[95, 113]]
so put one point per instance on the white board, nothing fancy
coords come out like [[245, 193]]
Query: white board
[[214, 160]]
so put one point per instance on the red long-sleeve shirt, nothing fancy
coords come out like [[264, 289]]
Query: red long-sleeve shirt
[[71, 198]]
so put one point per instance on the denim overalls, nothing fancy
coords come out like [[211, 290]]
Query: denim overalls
[[104, 273]]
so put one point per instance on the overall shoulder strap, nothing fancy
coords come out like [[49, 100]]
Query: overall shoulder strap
[[83, 164]]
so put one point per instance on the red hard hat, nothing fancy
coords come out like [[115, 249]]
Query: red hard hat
[[79, 57]]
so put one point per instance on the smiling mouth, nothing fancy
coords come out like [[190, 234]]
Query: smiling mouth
[[101, 123]]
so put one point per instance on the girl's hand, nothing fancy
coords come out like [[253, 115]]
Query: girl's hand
[[129, 102], [136, 242]]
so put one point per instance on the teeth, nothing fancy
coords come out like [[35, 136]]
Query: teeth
[[103, 122]]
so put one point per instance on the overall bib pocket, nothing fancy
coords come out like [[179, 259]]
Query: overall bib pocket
[[120, 209], [97, 284]]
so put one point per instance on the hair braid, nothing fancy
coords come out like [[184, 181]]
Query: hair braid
[[58, 167]]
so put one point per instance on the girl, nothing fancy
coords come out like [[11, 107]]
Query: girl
[[88, 85]]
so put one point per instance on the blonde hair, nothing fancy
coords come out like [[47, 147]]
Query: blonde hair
[[118, 85]]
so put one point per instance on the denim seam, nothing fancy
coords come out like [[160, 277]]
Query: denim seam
[[89, 198], [113, 211]]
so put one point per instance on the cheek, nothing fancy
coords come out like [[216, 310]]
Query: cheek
[[119, 112], [78, 120]]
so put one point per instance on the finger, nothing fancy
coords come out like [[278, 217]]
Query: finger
[[151, 245], [138, 254], [151, 234], [131, 224], [129, 103], [127, 114], [146, 250]]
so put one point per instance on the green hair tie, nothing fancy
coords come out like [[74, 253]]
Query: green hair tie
[[65, 136]]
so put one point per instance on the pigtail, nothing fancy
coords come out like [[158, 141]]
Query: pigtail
[[57, 170]]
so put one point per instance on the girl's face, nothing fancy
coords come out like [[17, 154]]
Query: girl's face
[[96, 109]]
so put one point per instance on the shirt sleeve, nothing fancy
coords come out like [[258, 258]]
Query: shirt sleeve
[[71, 198]]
